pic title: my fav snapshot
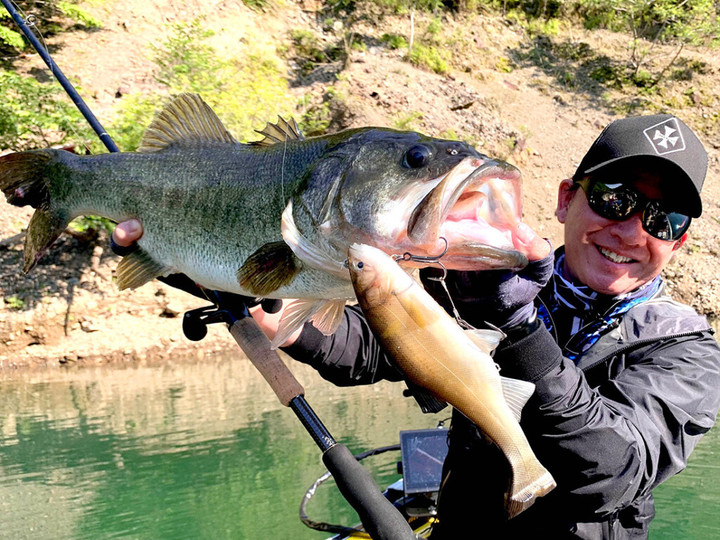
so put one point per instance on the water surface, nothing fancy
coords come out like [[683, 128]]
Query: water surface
[[204, 450], [190, 450]]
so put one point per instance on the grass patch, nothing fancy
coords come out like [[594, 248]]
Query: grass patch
[[394, 41], [407, 121], [429, 57], [15, 303]]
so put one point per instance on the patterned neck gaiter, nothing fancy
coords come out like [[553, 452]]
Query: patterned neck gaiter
[[579, 316]]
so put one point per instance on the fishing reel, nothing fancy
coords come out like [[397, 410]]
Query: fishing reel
[[227, 309], [195, 321]]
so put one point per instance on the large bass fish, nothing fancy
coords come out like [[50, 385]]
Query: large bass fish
[[274, 218], [453, 364]]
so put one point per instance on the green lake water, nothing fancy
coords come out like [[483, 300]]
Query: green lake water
[[204, 450]]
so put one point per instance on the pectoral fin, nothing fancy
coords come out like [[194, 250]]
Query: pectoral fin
[[311, 255], [137, 269], [269, 268], [486, 340]]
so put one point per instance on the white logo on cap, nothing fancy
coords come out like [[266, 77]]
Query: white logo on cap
[[665, 137]]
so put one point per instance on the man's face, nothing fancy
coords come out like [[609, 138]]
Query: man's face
[[611, 257]]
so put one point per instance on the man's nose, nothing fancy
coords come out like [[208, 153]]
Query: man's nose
[[630, 231]]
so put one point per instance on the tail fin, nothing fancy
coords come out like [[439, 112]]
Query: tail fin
[[536, 481], [24, 181]]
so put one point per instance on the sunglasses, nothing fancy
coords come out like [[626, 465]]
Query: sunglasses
[[619, 202]]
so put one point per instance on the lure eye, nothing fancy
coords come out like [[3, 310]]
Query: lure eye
[[417, 156]]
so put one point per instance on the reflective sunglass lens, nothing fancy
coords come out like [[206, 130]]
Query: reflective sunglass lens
[[664, 225], [616, 204], [657, 225]]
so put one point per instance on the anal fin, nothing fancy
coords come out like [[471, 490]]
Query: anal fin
[[137, 269], [516, 394]]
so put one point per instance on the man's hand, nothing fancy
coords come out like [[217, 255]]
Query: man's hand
[[123, 242], [502, 298], [529, 242], [123, 238]]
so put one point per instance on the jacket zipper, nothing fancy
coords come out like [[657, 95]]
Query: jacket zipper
[[642, 342]]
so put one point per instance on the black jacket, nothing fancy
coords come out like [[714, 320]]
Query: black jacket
[[610, 429]]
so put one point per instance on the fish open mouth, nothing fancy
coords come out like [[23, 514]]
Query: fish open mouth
[[471, 212]]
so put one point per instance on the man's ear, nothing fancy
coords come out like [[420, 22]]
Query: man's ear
[[680, 242], [566, 192]]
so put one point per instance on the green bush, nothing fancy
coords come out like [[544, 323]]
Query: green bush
[[394, 41], [37, 114], [407, 121], [11, 38], [52, 16], [77, 14], [245, 93], [256, 4], [429, 57], [133, 116]]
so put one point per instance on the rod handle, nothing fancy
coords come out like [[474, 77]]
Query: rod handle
[[380, 518], [256, 346]]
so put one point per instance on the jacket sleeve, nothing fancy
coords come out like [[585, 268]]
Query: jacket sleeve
[[610, 444], [351, 356]]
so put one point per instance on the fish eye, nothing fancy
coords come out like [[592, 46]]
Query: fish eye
[[417, 156], [360, 265]]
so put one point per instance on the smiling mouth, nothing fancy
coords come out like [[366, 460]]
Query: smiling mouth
[[614, 257]]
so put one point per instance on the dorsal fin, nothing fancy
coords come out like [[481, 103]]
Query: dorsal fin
[[185, 118], [280, 132]]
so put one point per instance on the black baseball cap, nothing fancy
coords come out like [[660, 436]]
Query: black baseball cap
[[661, 140]]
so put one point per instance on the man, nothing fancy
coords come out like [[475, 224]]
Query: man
[[627, 381]]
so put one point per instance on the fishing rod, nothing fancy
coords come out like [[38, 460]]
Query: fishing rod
[[60, 76], [380, 518]]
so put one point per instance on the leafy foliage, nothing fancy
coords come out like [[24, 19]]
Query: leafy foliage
[[53, 15], [77, 14], [33, 113], [15, 302], [695, 22], [256, 4], [394, 41], [245, 93], [11, 39]]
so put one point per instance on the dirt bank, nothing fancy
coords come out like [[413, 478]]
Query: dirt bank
[[69, 310]]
